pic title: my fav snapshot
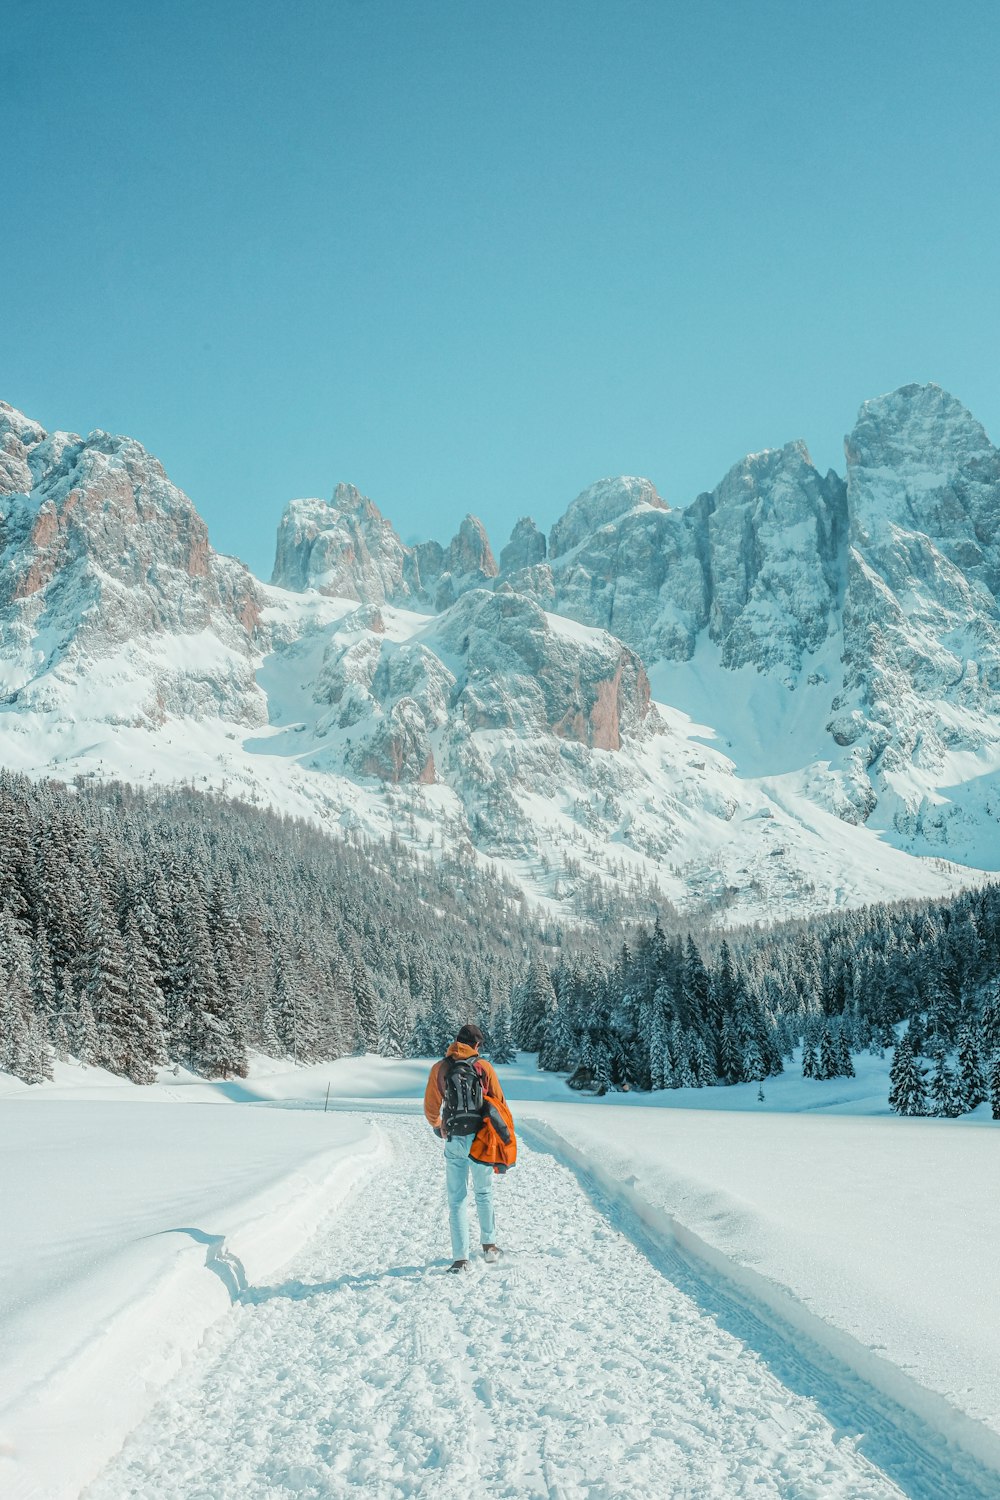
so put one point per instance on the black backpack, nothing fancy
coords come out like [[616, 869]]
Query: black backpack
[[462, 1108]]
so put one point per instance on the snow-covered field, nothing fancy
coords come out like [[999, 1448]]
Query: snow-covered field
[[792, 1299]]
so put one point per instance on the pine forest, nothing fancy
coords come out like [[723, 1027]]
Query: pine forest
[[139, 930]]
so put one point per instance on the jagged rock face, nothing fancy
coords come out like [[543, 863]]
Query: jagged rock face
[[525, 548], [600, 505], [345, 549], [509, 668], [756, 563], [774, 537], [921, 633], [522, 669], [18, 437], [348, 550], [639, 576], [102, 554], [438, 575]]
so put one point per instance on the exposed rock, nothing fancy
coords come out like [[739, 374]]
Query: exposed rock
[[18, 435], [775, 535], [601, 504], [345, 549], [348, 550], [512, 668], [921, 631], [525, 548], [523, 669], [101, 554], [437, 575]]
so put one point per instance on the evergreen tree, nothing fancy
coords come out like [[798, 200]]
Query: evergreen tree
[[538, 1000], [556, 1053], [502, 1048], [828, 1060], [86, 1043], [366, 1006], [683, 1071], [24, 1049], [753, 1063], [990, 1022], [731, 1052], [995, 1087], [694, 986], [845, 1063], [971, 1083], [907, 1083], [943, 1095]]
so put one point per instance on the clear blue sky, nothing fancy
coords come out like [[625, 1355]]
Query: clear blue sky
[[474, 256]]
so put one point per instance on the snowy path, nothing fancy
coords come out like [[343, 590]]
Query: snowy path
[[573, 1368]]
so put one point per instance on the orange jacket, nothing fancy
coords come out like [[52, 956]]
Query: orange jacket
[[434, 1095]]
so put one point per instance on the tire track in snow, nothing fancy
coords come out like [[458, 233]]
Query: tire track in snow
[[571, 1369]]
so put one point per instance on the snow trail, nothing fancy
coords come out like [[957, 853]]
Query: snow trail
[[571, 1369]]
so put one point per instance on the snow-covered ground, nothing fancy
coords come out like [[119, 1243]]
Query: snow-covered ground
[[792, 1299]]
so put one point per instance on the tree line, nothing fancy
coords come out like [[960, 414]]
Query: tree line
[[141, 928], [668, 1012]]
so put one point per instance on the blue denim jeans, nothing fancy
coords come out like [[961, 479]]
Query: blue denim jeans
[[457, 1169]]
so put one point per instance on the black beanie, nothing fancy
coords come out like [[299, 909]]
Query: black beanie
[[471, 1036]]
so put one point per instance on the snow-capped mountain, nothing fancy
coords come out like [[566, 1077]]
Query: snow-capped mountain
[[111, 598], [823, 654]]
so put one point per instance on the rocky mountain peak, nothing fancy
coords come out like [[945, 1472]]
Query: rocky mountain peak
[[526, 547], [102, 554], [918, 460], [18, 435], [344, 548], [470, 552], [599, 505]]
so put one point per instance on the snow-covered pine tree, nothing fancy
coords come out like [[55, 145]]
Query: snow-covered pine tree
[[695, 987], [971, 1082], [43, 985], [23, 1044], [810, 1062], [537, 1001], [753, 1068], [845, 1063], [502, 1049], [602, 1067], [556, 1053], [102, 982], [203, 1035], [366, 1006], [422, 1043], [683, 1071], [989, 1022], [64, 1018], [942, 1093], [829, 1062], [731, 1052], [145, 1050], [85, 1041], [907, 1081]]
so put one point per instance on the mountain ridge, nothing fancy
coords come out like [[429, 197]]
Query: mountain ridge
[[833, 645]]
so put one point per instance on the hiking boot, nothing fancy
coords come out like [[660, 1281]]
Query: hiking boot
[[459, 1265], [492, 1252]]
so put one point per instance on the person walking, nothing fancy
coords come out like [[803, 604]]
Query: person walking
[[465, 1106]]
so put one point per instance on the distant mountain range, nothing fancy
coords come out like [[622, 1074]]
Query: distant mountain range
[[781, 698]]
